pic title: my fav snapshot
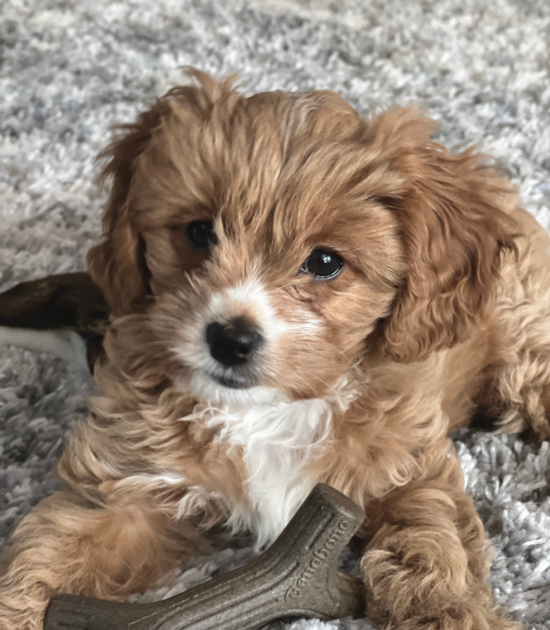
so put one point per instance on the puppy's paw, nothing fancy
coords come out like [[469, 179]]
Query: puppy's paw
[[21, 620], [414, 583], [23, 608], [460, 616]]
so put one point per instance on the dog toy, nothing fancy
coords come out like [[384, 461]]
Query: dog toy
[[296, 577], [68, 302]]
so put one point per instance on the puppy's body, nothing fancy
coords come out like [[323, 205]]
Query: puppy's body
[[365, 293]]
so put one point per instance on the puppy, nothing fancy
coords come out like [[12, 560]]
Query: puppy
[[298, 296]]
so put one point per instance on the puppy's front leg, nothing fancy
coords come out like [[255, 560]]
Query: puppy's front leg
[[69, 545], [427, 561]]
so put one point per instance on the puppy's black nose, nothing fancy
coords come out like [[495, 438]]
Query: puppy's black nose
[[233, 343]]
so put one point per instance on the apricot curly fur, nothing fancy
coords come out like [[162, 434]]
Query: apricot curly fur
[[441, 311]]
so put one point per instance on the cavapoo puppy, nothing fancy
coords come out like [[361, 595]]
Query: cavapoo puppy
[[297, 295]]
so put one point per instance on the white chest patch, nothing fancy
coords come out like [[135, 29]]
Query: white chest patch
[[278, 441]]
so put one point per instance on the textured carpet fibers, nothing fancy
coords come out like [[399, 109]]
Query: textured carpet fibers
[[71, 68]]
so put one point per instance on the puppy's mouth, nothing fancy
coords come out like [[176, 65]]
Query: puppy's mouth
[[231, 382]]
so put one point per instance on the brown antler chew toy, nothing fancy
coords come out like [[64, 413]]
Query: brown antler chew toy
[[296, 577]]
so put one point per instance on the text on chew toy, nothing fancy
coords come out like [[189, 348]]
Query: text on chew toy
[[319, 555]]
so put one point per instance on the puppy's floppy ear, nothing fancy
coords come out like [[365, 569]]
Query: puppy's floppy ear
[[117, 264], [454, 222]]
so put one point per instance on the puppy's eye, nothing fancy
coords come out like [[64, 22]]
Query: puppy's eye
[[200, 234], [323, 264]]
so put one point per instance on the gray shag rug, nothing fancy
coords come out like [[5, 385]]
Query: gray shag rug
[[71, 68]]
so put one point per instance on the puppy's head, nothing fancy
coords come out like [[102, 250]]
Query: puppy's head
[[273, 241]]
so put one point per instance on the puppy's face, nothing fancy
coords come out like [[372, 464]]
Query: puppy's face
[[269, 268], [268, 238], [266, 303]]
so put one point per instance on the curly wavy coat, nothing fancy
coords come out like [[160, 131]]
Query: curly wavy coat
[[435, 310]]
